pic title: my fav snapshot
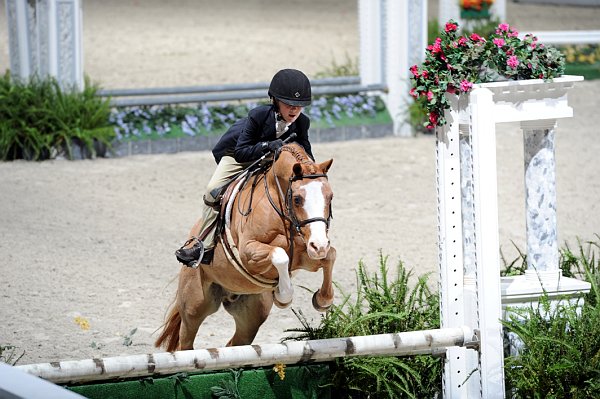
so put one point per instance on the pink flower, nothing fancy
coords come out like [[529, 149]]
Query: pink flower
[[435, 47], [415, 71], [413, 92], [450, 27], [499, 42], [425, 74], [462, 41], [465, 85], [513, 61], [503, 28], [429, 95]]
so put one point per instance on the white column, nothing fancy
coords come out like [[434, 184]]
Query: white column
[[471, 295], [372, 36], [540, 199], [447, 10], [485, 200], [460, 362], [45, 39], [499, 10], [18, 37], [405, 44]]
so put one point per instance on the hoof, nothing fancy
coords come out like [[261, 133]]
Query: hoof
[[316, 304], [281, 305]]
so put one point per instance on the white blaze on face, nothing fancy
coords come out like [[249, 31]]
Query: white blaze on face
[[314, 206]]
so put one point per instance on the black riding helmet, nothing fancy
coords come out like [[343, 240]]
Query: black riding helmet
[[292, 87]]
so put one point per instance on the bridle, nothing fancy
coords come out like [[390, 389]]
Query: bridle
[[295, 223], [289, 214]]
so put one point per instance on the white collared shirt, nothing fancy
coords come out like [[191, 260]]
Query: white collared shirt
[[281, 126]]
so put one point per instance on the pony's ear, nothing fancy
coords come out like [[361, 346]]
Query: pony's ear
[[297, 169], [324, 166]]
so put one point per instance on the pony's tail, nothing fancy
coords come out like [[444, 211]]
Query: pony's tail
[[169, 338]]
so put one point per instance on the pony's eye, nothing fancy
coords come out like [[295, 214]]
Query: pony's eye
[[297, 200]]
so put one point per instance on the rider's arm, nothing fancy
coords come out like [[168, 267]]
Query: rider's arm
[[249, 145]]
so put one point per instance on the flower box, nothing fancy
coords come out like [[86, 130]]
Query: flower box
[[481, 12]]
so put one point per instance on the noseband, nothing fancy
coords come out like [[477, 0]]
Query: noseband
[[297, 224]]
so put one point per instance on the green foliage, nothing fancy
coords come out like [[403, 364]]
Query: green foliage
[[348, 68], [228, 389], [483, 27], [381, 305], [39, 119], [582, 53], [417, 116], [515, 267], [582, 59], [560, 356]]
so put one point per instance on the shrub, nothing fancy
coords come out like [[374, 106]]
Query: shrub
[[38, 119], [381, 305], [560, 353]]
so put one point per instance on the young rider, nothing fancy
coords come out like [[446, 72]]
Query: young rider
[[248, 139]]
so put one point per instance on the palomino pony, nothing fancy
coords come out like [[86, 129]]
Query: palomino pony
[[275, 226]]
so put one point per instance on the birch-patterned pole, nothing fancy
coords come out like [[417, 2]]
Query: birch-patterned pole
[[294, 352]]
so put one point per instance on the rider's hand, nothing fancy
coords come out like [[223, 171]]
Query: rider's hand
[[274, 145]]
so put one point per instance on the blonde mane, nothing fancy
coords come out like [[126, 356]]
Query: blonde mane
[[300, 155]]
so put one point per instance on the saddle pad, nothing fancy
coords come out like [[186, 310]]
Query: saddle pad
[[231, 250]]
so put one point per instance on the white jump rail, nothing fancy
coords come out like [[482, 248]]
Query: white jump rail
[[293, 352]]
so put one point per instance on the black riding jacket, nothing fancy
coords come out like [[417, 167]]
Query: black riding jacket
[[244, 139]]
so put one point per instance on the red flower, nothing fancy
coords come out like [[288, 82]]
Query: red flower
[[433, 118], [435, 47], [415, 71], [475, 37], [450, 27]]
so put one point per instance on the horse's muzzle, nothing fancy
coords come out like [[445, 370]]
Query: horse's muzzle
[[316, 250]]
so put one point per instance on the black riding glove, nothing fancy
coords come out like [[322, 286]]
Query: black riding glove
[[274, 145]]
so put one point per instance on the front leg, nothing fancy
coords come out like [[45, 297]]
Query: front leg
[[260, 257], [323, 298]]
